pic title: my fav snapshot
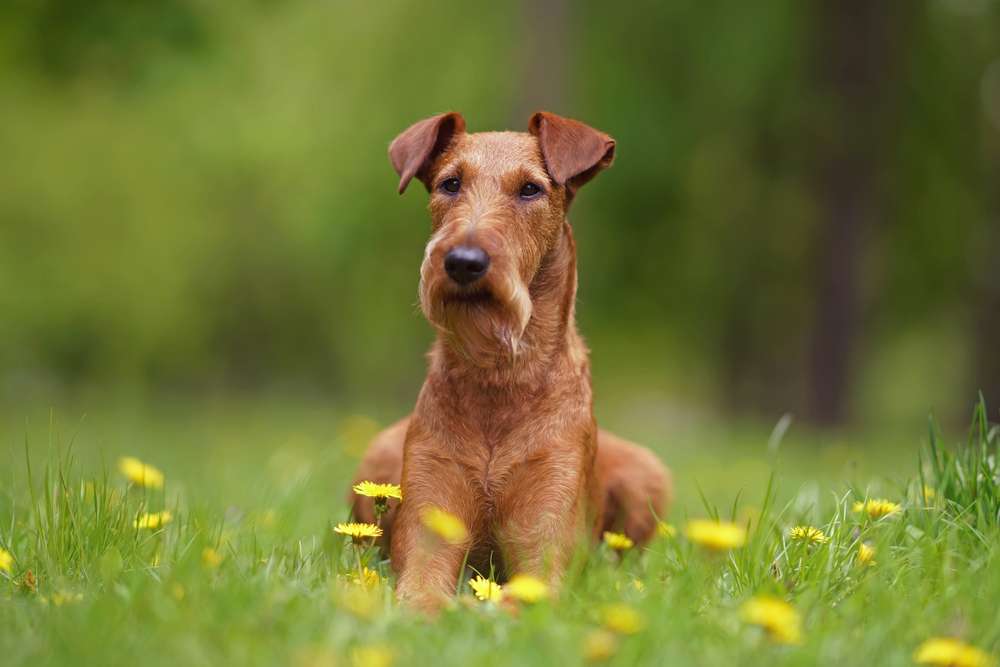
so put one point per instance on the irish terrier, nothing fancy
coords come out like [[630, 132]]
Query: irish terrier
[[503, 433]]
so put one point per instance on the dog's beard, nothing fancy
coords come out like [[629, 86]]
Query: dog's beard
[[484, 323]]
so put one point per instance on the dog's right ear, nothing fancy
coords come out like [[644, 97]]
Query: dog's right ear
[[413, 151]]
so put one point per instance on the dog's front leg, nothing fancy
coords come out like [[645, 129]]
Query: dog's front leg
[[429, 572], [427, 564], [542, 513]]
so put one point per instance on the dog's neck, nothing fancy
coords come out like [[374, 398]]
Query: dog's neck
[[550, 345]]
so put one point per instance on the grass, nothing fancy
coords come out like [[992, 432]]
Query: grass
[[249, 572]]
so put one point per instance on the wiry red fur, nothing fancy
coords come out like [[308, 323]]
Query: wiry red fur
[[503, 433]]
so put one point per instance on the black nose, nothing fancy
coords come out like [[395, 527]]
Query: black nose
[[466, 264]]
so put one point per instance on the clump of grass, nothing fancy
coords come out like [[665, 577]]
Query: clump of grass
[[966, 482], [74, 524]]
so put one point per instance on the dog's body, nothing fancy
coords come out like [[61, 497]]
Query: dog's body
[[503, 434]]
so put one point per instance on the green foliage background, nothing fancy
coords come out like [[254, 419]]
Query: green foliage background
[[195, 196]]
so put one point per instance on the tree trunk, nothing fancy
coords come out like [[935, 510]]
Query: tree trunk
[[543, 63], [986, 281], [987, 367], [857, 41]]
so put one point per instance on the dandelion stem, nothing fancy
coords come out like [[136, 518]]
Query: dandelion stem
[[357, 557], [461, 573]]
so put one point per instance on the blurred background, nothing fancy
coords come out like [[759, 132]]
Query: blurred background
[[804, 216]]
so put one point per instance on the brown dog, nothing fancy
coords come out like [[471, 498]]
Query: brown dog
[[503, 434]]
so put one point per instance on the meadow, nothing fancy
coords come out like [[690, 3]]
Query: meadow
[[208, 306], [231, 558]]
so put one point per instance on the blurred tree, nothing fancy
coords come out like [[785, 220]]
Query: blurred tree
[[196, 194], [545, 51], [987, 335], [986, 276], [859, 44]]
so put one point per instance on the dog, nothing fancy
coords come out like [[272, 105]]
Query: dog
[[503, 434]]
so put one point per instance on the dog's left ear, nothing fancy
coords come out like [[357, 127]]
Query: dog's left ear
[[573, 152], [413, 151]]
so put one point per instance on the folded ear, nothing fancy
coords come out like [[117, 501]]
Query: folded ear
[[573, 152], [413, 151]]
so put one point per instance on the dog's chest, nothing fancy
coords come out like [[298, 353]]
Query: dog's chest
[[502, 442], [503, 448]]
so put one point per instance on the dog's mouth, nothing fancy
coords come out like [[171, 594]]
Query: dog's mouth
[[469, 297], [484, 319]]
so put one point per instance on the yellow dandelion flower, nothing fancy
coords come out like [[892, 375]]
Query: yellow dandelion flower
[[929, 494], [367, 578], [139, 473], [211, 558], [716, 535], [62, 597], [599, 645], [880, 508], [665, 529], [622, 619], [374, 655], [948, 652], [358, 531], [779, 619], [6, 560], [809, 534], [153, 520], [638, 585], [866, 554], [526, 588], [876, 508], [486, 590], [618, 541], [375, 490], [445, 525]]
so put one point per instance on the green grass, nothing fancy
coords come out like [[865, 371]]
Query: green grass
[[262, 482]]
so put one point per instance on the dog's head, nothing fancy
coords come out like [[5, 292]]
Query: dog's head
[[498, 206]]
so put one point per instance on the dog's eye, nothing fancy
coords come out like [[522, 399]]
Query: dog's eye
[[451, 185], [529, 190]]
